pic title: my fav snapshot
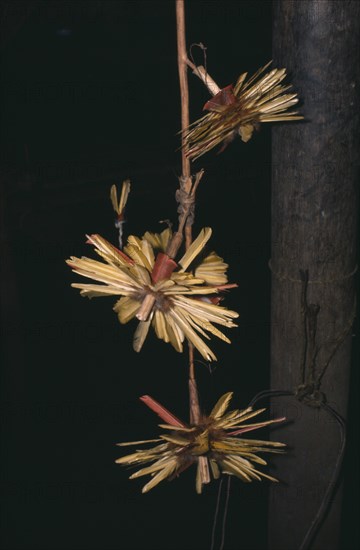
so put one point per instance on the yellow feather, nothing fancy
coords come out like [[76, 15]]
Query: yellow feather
[[159, 465], [107, 251], [176, 439], [229, 467], [191, 335], [176, 335], [195, 248], [95, 291], [148, 252], [124, 195], [166, 472], [160, 326], [113, 198], [198, 483], [177, 428], [215, 469], [239, 83], [141, 333], [130, 443], [126, 308], [159, 241], [222, 405], [137, 255]]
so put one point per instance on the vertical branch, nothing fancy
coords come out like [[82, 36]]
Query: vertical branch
[[184, 93], [184, 90], [186, 173]]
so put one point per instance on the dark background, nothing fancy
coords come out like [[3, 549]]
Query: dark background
[[90, 97]]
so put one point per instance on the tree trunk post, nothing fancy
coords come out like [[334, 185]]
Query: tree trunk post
[[313, 259]]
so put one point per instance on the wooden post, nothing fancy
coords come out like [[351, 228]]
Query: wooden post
[[313, 262]]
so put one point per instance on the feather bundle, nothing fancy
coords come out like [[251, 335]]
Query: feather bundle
[[119, 206], [212, 441], [161, 293], [239, 110]]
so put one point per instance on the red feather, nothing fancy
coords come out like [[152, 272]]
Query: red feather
[[255, 427], [160, 410], [221, 99], [163, 267]]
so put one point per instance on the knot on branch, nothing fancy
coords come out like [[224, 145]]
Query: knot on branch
[[186, 200], [185, 197]]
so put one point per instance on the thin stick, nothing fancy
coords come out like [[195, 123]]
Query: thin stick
[[184, 90], [186, 172], [185, 122], [195, 413], [193, 392], [225, 514], [216, 514], [202, 73]]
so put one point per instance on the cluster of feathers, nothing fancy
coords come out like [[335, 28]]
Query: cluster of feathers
[[181, 299], [185, 302], [213, 443], [238, 110]]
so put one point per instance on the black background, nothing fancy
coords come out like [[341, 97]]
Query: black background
[[90, 97]]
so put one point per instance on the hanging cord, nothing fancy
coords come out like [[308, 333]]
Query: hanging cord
[[329, 493], [311, 372], [269, 393], [259, 396], [216, 515], [223, 528], [333, 483], [196, 68]]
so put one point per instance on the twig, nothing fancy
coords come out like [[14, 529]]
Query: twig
[[189, 188], [186, 170], [202, 73], [184, 90]]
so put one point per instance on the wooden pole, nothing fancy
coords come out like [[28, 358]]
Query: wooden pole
[[313, 259]]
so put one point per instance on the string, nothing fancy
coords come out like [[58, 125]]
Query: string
[[268, 393], [333, 483], [223, 529], [216, 515], [203, 48], [331, 489], [225, 513], [311, 373], [285, 277]]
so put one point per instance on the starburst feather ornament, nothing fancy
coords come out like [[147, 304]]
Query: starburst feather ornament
[[214, 440], [158, 291], [240, 109]]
